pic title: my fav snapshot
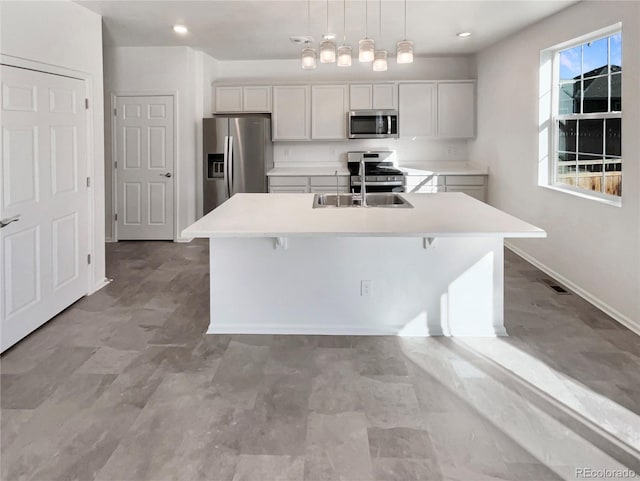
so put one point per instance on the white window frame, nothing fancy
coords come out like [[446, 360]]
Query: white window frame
[[549, 96]]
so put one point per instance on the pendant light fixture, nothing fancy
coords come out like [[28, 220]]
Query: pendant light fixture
[[308, 54], [380, 56], [366, 46], [344, 51], [404, 48], [328, 46]]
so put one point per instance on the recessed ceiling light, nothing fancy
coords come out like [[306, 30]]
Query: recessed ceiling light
[[464, 34], [301, 39], [181, 29]]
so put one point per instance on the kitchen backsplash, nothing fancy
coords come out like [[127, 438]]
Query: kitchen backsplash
[[335, 153]]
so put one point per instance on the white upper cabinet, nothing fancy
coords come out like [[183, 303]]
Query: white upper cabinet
[[361, 96], [385, 96], [456, 109], [228, 99], [243, 99], [257, 99], [291, 112], [329, 105], [417, 109], [373, 96]]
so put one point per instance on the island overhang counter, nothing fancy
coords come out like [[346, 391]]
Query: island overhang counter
[[279, 266]]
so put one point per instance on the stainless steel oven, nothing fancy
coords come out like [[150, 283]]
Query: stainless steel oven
[[381, 172], [373, 124]]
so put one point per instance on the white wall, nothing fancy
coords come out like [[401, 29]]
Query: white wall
[[592, 246], [64, 34], [172, 70]]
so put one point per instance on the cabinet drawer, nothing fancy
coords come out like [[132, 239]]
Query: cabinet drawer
[[329, 190], [474, 191], [288, 181], [329, 181], [465, 179], [292, 189], [427, 180]]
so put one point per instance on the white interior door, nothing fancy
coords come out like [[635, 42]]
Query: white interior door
[[144, 139], [44, 254]]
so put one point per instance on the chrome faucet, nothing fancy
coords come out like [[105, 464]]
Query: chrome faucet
[[363, 188]]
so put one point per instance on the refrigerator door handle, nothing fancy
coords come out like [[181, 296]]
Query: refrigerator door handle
[[230, 162], [225, 166]]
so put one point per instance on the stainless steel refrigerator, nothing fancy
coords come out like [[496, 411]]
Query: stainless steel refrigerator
[[238, 153]]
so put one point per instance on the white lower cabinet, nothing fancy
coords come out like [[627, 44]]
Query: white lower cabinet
[[473, 185], [323, 184]]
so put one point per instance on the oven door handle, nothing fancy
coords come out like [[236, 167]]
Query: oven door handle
[[388, 124]]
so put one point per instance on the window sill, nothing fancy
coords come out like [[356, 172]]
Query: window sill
[[604, 199]]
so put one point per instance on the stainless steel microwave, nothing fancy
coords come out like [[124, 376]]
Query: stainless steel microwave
[[373, 124]]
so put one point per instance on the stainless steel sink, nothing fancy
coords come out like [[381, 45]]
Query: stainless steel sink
[[353, 200]]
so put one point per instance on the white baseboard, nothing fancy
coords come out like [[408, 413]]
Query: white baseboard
[[104, 282], [184, 239], [324, 330], [109, 240], [587, 296]]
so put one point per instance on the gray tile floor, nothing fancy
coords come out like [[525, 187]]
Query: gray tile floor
[[124, 385]]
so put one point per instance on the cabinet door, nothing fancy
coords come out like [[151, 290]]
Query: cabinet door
[[361, 97], [456, 110], [416, 109], [329, 112], [257, 99], [291, 112], [228, 99], [385, 96]]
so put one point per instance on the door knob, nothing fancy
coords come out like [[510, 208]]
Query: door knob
[[6, 222], [168, 174]]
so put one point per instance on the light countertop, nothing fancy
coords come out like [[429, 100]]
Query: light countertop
[[410, 168], [447, 214], [307, 171]]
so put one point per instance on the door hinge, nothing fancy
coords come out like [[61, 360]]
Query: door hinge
[[116, 216], [116, 164], [88, 181], [115, 112], [86, 103], [88, 258]]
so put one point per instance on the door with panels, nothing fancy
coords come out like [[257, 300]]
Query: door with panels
[[44, 254], [144, 166]]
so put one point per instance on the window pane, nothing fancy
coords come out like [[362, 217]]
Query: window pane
[[590, 177], [567, 135], [616, 93], [614, 137], [566, 173], [570, 98], [594, 58], [566, 156], [596, 95], [613, 177], [570, 61], [590, 136], [616, 52]]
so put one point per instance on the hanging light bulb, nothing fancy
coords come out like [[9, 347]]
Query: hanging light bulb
[[344, 51], [308, 54], [380, 56], [308, 58], [404, 48], [366, 46], [328, 46], [380, 61]]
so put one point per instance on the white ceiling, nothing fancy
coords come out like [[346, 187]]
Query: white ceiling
[[260, 29]]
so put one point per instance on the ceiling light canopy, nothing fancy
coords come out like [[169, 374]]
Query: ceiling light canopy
[[181, 29], [464, 34]]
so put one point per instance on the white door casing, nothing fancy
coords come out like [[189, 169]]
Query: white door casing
[[145, 174], [44, 255]]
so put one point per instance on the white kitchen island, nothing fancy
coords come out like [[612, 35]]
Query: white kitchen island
[[278, 266]]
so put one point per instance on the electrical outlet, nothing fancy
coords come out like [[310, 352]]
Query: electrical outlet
[[366, 288]]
